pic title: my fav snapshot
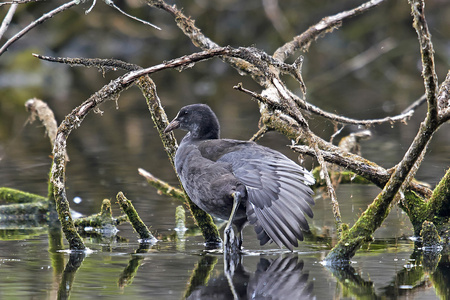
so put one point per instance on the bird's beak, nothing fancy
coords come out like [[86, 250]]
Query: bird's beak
[[172, 125]]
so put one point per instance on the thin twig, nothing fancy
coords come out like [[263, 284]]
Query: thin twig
[[326, 25], [330, 188], [332, 117], [162, 186], [427, 53], [259, 134], [416, 104], [113, 5]]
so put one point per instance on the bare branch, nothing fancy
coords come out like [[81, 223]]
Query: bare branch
[[183, 61], [367, 169], [376, 213], [18, 2], [103, 64], [443, 100], [33, 24], [260, 133], [403, 117], [257, 58], [40, 109], [188, 27], [7, 19], [326, 25]]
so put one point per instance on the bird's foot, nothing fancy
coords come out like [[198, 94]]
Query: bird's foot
[[231, 241], [213, 244]]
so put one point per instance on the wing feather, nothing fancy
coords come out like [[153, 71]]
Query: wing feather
[[278, 193]]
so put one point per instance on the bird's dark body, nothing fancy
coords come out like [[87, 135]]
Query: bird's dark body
[[197, 163], [273, 190]]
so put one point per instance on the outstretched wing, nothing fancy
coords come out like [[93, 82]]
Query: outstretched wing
[[279, 195]]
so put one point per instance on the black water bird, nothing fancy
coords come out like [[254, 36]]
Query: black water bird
[[242, 181]]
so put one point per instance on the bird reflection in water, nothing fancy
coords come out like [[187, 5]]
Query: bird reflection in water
[[280, 278]]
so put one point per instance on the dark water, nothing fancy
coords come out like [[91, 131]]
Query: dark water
[[107, 150]]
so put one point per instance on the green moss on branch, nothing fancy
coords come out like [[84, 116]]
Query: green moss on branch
[[10, 195], [134, 218]]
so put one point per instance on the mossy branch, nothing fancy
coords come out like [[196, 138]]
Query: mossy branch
[[439, 203], [375, 214], [163, 187], [73, 121], [102, 219], [134, 218], [10, 195]]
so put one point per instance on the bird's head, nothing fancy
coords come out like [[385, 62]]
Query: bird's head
[[198, 119]]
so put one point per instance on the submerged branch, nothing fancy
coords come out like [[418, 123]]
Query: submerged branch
[[103, 220], [10, 195], [24, 211], [73, 121], [134, 219]]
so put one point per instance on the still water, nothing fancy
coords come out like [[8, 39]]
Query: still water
[[170, 270], [34, 265], [112, 271]]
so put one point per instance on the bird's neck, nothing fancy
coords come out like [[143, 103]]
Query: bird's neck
[[204, 135], [209, 132]]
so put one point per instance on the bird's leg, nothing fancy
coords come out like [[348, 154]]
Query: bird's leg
[[230, 241], [239, 240]]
